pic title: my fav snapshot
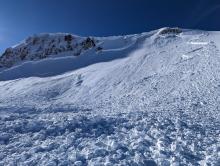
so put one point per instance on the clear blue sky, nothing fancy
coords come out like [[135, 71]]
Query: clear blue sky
[[21, 18]]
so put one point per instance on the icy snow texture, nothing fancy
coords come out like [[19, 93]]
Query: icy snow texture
[[145, 99]]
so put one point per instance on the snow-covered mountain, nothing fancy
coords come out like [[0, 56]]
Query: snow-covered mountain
[[143, 99], [44, 46]]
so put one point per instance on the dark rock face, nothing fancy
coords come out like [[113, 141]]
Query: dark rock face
[[98, 49], [68, 38], [88, 43], [8, 54], [170, 31]]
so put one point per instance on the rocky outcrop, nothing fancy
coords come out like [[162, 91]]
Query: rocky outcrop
[[174, 31], [46, 45]]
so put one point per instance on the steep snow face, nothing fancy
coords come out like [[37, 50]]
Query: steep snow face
[[145, 99]]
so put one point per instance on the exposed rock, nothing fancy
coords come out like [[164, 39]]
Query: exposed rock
[[170, 31], [68, 38], [88, 43]]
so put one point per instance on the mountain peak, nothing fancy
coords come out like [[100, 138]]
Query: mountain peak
[[46, 45]]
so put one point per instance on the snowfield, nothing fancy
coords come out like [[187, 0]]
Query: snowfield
[[143, 99]]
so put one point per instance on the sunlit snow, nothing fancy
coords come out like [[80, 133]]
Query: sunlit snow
[[144, 99]]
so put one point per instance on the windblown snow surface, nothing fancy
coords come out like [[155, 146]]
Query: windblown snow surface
[[145, 99]]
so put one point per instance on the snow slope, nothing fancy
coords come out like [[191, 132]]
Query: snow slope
[[144, 99]]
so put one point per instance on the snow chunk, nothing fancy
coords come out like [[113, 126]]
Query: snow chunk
[[198, 43]]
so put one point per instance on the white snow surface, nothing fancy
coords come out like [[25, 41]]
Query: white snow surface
[[144, 99]]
